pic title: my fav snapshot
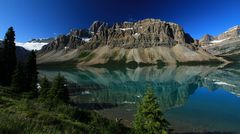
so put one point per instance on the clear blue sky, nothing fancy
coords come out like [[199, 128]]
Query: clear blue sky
[[48, 18]]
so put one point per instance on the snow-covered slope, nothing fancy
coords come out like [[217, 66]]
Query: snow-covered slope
[[31, 45]]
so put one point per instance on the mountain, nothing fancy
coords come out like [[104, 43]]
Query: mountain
[[207, 39], [148, 41], [70, 41], [21, 53], [226, 45], [42, 40]]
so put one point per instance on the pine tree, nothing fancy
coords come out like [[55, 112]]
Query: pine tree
[[149, 118], [59, 91], [17, 79], [9, 56], [45, 87], [31, 73]]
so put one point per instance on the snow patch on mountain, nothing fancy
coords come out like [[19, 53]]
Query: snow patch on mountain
[[125, 29], [86, 39], [136, 35], [31, 45], [218, 41], [224, 83]]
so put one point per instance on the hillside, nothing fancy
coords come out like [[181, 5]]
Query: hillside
[[22, 115]]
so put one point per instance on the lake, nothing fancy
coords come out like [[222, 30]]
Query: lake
[[193, 98]]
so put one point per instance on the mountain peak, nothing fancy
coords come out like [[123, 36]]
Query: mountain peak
[[237, 27], [207, 38], [232, 33]]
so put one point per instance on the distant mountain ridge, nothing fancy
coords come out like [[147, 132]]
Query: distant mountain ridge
[[226, 45], [34, 44], [42, 40], [230, 34], [148, 41]]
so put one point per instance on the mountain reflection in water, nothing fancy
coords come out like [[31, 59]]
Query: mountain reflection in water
[[115, 93]]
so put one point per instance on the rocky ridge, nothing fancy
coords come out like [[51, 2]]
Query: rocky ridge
[[144, 33], [148, 41], [226, 45]]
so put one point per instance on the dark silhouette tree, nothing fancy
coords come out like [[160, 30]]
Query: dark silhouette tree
[[31, 73], [9, 56], [149, 118], [17, 79]]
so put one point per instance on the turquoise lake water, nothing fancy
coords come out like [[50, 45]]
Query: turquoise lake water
[[193, 98]]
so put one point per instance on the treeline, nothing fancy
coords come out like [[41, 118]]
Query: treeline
[[55, 92], [22, 77], [25, 77]]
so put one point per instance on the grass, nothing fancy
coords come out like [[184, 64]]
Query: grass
[[20, 115]]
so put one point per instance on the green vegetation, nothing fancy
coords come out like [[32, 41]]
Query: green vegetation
[[18, 80], [25, 77], [31, 73], [45, 87], [21, 115], [58, 91], [149, 118], [51, 112]]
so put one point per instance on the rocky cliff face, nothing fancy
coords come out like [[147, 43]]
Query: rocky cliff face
[[145, 33], [226, 45], [146, 41], [64, 42]]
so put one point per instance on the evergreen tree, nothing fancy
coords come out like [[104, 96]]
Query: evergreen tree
[[45, 87], [9, 56], [59, 91], [149, 118], [31, 73], [17, 79]]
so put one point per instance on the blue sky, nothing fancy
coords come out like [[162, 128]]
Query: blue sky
[[48, 18]]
